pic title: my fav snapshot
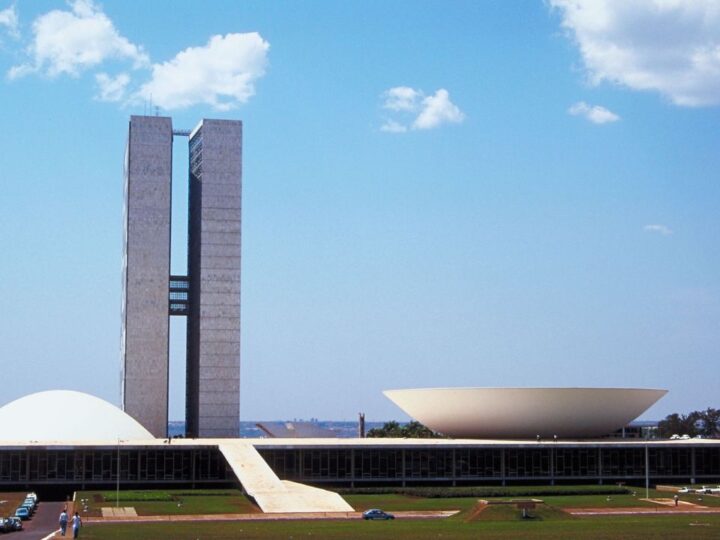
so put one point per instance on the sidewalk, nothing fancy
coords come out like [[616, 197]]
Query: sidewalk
[[633, 511]]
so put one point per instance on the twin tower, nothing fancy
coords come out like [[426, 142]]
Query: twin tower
[[209, 296]]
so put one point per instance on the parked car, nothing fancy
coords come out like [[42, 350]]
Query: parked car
[[376, 513], [5, 525], [16, 523], [23, 513], [30, 506], [29, 500]]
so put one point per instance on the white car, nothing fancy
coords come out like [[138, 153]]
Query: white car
[[686, 490]]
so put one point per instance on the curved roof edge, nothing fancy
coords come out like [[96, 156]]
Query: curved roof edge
[[67, 415]]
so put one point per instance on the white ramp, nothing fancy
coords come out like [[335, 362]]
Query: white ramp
[[272, 494]]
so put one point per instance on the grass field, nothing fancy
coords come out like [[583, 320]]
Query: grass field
[[548, 521], [404, 502], [394, 503], [171, 502], [554, 527]]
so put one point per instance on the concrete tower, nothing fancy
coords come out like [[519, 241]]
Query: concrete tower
[[213, 345], [146, 272], [209, 295]]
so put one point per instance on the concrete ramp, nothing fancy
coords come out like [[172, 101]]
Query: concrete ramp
[[272, 494]]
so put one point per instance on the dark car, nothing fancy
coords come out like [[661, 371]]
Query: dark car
[[376, 513], [5, 525], [15, 522]]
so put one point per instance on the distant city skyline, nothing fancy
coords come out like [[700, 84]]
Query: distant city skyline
[[463, 194]]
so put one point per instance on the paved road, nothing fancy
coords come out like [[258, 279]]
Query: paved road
[[42, 523]]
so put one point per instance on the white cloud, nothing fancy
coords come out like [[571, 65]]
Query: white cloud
[[221, 74], [436, 110], [111, 88], [9, 20], [82, 38], [669, 46], [595, 113], [73, 41], [660, 229], [419, 111], [401, 98], [391, 126]]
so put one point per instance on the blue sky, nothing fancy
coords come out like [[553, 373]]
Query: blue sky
[[435, 194]]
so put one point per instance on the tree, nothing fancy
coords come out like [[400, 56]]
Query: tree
[[389, 429], [671, 425], [413, 430], [705, 423], [710, 420]]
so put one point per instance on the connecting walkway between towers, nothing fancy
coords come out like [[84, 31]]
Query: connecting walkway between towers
[[270, 493]]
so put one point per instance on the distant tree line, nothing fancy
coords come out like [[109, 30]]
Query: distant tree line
[[412, 430], [704, 423]]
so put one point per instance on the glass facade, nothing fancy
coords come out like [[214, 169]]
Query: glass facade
[[402, 464], [493, 464], [100, 466]]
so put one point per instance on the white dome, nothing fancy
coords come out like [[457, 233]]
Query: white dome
[[523, 413], [66, 415]]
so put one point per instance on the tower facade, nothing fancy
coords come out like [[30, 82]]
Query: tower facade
[[213, 342], [146, 272], [209, 295]]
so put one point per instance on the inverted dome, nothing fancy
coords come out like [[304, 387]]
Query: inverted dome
[[66, 415], [524, 413]]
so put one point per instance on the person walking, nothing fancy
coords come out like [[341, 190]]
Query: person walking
[[63, 522], [76, 524]]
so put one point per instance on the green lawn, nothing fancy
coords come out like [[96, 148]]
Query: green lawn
[[172, 502], [394, 503], [547, 521], [641, 527], [509, 512]]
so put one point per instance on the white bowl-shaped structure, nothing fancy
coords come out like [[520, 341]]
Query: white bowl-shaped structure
[[66, 415], [524, 413]]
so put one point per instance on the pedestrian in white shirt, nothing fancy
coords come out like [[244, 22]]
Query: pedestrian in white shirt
[[76, 524]]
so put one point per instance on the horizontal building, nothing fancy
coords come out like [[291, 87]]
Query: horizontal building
[[358, 462]]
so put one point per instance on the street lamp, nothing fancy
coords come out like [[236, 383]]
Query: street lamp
[[647, 471], [117, 485]]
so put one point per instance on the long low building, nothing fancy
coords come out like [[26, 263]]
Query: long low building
[[102, 447], [358, 462]]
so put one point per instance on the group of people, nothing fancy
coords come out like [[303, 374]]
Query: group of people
[[76, 523]]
